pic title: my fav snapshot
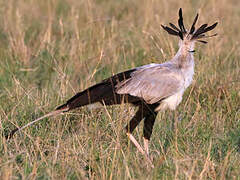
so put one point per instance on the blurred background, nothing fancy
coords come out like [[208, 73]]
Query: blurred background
[[51, 49]]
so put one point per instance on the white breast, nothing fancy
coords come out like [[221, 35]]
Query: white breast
[[173, 101]]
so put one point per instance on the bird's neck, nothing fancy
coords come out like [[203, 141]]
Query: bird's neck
[[184, 57]]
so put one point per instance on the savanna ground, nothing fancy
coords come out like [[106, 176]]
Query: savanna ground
[[49, 50]]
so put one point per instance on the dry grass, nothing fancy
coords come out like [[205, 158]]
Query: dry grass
[[49, 50]]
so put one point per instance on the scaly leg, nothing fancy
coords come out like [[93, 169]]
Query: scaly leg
[[147, 112], [146, 142], [134, 141], [140, 114], [139, 148]]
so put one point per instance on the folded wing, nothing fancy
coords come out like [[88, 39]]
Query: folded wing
[[152, 84]]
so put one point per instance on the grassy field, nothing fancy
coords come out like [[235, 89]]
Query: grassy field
[[49, 50]]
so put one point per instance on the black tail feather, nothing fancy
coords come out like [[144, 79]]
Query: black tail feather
[[53, 113], [10, 135], [103, 91], [63, 106]]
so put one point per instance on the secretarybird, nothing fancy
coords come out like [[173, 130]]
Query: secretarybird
[[151, 87]]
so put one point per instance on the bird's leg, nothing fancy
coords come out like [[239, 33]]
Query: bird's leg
[[147, 129], [131, 126], [142, 112], [146, 142], [134, 141], [139, 148]]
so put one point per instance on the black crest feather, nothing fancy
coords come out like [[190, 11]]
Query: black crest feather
[[181, 31], [203, 29], [200, 30], [209, 28], [174, 27], [170, 31], [193, 25], [180, 22]]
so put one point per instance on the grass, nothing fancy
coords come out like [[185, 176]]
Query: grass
[[49, 50]]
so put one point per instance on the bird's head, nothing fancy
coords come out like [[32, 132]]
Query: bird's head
[[189, 37]]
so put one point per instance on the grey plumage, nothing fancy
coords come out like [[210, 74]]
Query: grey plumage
[[153, 83]]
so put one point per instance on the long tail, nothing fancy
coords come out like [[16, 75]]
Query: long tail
[[53, 113], [103, 91]]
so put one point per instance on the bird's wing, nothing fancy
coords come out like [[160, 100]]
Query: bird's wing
[[152, 83]]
